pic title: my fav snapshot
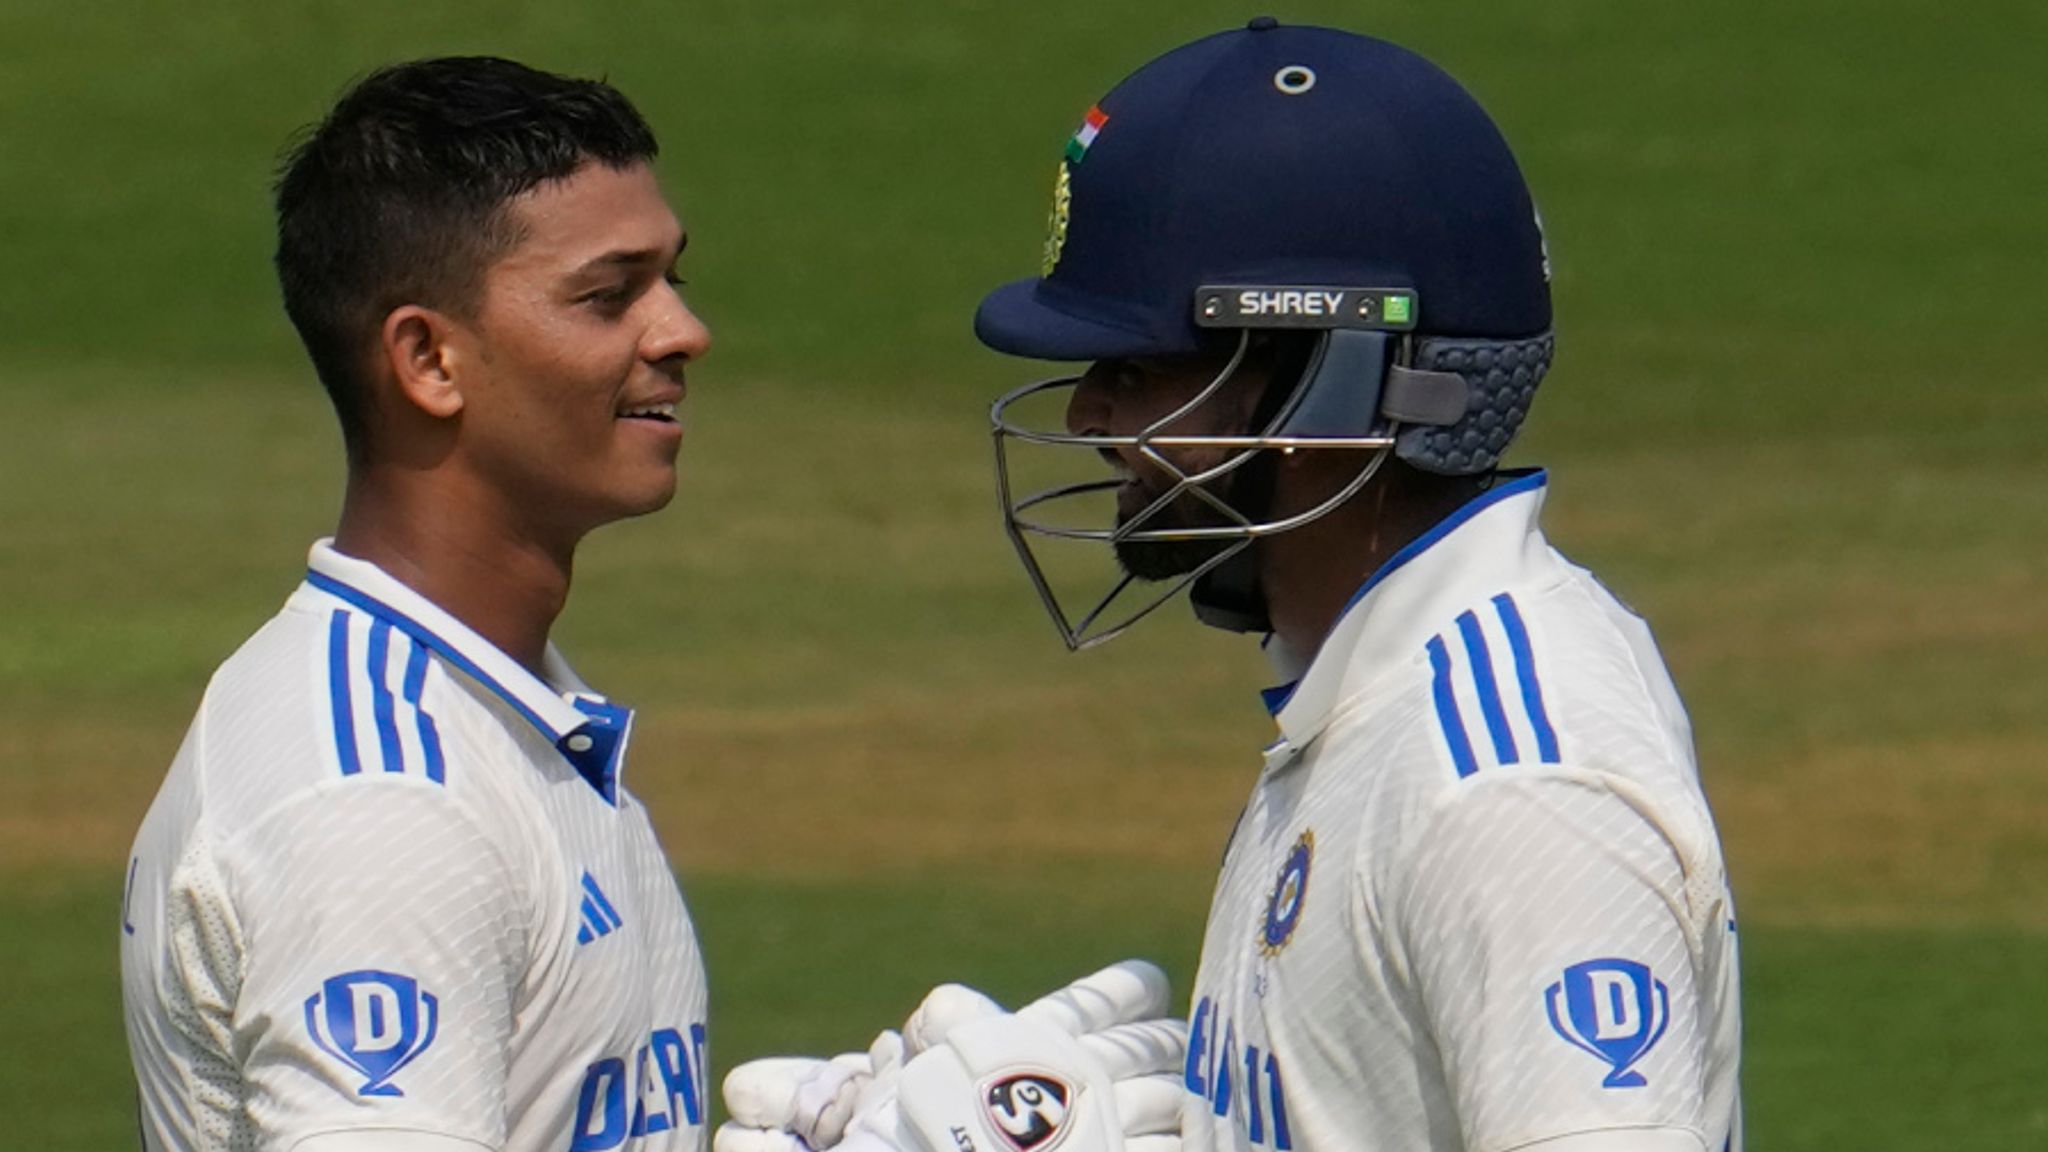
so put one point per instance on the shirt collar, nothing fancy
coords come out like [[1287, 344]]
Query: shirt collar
[[1476, 551], [588, 730]]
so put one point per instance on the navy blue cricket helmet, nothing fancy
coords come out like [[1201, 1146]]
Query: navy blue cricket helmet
[[1278, 177], [1277, 155]]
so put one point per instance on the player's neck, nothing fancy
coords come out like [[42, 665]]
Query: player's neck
[[466, 552], [1310, 574]]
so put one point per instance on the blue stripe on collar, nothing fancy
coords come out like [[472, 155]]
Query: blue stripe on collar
[[603, 745], [1276, 698], [428, 638], [602, 733]]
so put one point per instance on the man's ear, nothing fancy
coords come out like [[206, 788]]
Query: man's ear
[[419, 345]]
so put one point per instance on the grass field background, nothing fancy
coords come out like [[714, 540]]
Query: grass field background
[[1796, 420]]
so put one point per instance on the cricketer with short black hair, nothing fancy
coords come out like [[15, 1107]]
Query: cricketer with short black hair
[[393, 895], [1476, 901]]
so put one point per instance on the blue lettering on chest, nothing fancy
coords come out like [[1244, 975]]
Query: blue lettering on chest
[[1212, 1074], [668, 1089]]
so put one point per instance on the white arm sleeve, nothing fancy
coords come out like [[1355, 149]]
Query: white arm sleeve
[[383, 937], [1543, 920]]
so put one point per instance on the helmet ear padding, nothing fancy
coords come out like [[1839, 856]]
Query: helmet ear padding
[[1502, 376]]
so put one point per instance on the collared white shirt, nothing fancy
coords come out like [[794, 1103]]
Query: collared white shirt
[[1476, 901], [392, 895]]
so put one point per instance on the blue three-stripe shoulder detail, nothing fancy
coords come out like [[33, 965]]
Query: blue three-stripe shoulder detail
[[339, 693], [1447, 712], [1525, 674], [386, 728], [1507, 689]]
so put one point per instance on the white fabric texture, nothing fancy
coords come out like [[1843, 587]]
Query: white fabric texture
[[1622, 1140], [373, 1140], [1476, 901], [377, 902]]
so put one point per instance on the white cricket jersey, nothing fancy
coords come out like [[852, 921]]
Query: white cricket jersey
[[392, 896], [1476, 901]]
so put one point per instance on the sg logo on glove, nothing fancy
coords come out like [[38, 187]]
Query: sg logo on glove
[[1029, 1109]]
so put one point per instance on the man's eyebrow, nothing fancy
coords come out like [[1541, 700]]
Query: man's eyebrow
[[632, 257]]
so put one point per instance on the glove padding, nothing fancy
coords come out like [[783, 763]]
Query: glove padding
[[801, 1103], [798, 1104], [1144, 1062], [1018, 1084]]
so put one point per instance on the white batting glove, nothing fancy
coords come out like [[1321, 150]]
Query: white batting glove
[[1144, 1061], [793, 1104], [799, 1103], [1020, 1083]]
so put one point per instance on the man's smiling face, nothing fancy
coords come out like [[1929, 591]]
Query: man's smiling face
[[581, 339]]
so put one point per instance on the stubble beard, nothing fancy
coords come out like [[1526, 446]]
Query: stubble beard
[[1156, 560]]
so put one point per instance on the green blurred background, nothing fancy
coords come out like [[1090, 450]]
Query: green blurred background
[[1795, 421]]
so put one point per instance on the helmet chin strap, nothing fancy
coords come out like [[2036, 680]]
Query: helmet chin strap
[[1229, 596]]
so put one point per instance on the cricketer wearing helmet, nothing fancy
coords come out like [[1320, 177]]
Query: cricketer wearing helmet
[[1476, 900]]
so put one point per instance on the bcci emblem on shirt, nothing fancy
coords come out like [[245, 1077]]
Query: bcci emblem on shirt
[[374, 1022], [1613, 1009], [1290, 892]]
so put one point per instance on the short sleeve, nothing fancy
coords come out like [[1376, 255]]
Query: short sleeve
[[383, 940], [1544, 927]]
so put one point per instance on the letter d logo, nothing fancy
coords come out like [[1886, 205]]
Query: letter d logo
[[1613, 1009], [374, 1022]]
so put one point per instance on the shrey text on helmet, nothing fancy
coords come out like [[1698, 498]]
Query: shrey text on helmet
[[1289, 303]]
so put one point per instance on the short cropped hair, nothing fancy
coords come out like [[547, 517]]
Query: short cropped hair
[[400, 197]]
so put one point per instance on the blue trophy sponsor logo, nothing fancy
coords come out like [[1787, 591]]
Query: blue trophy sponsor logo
[[374, 1022], [1613, 1009]]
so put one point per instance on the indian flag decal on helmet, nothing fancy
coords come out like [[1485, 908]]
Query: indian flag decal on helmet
[[1091, 127]]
